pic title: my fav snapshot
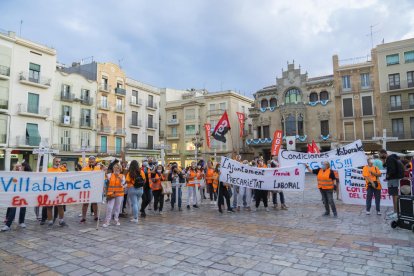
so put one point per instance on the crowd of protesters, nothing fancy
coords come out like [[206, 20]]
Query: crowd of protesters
[[133, 189]]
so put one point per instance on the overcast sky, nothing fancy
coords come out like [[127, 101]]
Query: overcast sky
[[212, 44]]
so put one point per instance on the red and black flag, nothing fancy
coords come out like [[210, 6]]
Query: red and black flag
[[222, 127]]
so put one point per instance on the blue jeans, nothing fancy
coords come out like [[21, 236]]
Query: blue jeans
[[173, 200], [134, 195]]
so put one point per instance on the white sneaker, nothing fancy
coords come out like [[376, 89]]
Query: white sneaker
[[117, 223], [79, 215], [22, 225], [5, 228], [105, 225], [267, 209], [379, 213], [368, 213], [160, 213], [134, 220]]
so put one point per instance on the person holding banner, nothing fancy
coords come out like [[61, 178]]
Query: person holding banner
[[90, 167], [236, 189], [245, 195], [275, 164], [135, 180], [11, 211], [261, 194], [373, 186], [55, 169], [114, 195], [191, 189], [326, 185], [223, 192]]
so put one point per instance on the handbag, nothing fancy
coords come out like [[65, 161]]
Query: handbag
[[166, 187]]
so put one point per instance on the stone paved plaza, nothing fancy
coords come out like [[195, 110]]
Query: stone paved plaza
[[203, 242]]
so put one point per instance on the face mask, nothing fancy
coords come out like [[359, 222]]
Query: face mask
[[145, 164], [323, 166], [159, 171]]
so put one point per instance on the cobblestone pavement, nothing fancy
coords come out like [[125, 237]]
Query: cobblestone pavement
[[203, 242]]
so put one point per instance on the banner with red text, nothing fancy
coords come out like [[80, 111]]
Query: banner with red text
[[241, 118], [208, 134], [286, 179], [31, 189], [352, 187], [277, 142]]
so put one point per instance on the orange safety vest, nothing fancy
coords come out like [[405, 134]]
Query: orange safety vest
[[209, 176], [54, 169], [366, 172], [115, 187], [155, 183], [324, 182], [193, 175], [130, 181], [216, 177], [89, 169]]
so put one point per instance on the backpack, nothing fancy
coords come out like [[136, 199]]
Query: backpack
[[139, 182]]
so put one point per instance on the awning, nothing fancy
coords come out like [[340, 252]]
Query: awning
[[33, 135]]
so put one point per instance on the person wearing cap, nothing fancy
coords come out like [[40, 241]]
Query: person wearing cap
[[88, 168], [326, 185]]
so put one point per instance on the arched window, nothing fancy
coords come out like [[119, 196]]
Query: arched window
[[273, 102], [324, 96], [293, 95], [313, 97], [290, 125], [264, 103]]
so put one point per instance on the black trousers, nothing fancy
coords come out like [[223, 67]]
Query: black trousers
[[146, 199], [261, 195], [223, 193], [377, 194], [11, 214], [210, 190], [327, 198], [158, 199]]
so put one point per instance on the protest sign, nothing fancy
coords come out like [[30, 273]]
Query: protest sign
[[31, 189], [286, 179], [349, 156], [353, 187]]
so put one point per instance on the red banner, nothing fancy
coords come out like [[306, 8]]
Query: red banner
[[241, 117], [277, 142], [221, 129], [310, 148], [208, 134], [315, 147]]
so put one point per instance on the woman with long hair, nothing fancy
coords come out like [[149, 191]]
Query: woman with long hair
[[135, 179]]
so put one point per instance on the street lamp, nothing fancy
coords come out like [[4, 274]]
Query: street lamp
[[197, 142]]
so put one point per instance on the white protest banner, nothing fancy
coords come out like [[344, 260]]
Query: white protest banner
[[286, 179], [349, 156], [353, 187], [31, 189]]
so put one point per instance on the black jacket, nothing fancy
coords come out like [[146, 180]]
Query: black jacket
[[395, 168]]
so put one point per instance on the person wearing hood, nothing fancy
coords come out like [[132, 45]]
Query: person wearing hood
[[326, 185], [395, 172]]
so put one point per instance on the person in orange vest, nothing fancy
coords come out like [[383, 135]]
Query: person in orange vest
[[56, 169], [215, 183], [90, 167], [371, 174], [209, 181], [155, 184], [326, 185], [191, 190], [261, 194], [114, 195]]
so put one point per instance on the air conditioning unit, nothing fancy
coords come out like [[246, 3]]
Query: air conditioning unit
[[66, 120]]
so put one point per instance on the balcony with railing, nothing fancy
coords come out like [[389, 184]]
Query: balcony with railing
[[120, 131], [4, 105], [120, 91], [135, 123], [86, 101], [403, 84], [33, 111], [119, 108], [152, 126], [102, 129], [172, 152], [65, 147], [28, 141], [215, 112], [67, 121], [105, 151], [139, 146], [152, 105], [105, 88], [367, 86], [85, 123], [401, 135], [135, 101], [67, 97], [4, 72], [172, 122], [401, 107], [173, 136], [103, 105], [41, 82]]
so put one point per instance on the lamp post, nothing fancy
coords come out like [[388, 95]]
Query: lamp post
[[197, 142]]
